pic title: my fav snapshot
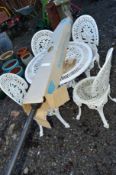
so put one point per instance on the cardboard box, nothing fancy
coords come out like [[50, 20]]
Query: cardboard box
[[58, 98], [27, 108], [41, 114], [55, 100], [43, 122]]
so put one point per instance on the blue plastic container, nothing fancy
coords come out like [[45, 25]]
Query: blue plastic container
[[18, 70], [9, 65]]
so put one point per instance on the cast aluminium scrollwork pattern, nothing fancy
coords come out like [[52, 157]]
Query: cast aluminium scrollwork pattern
[[79, 51], [85, 30], [14, 86], [41, 41], [93, 92]]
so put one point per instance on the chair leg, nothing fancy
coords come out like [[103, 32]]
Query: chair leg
[[113, 99], [101, 113], [73, 84], [79, 114], [41, 131], [40, 128], [57, 113], [87, 73], [97, 60]]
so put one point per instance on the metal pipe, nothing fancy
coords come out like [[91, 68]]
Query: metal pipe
[[12, 161]]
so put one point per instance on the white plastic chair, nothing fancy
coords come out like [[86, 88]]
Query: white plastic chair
[[41, 41], [15, 87], [94, 91], [85, 29]]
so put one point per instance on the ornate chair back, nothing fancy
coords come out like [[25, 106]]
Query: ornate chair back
[[14, 86], [101, 82], [41, 41], [85, 29]]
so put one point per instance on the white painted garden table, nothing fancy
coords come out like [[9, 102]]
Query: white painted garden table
[[76, 50]]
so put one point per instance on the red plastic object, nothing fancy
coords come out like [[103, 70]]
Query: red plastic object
[[22, 51]]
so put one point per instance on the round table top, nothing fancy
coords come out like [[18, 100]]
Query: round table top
[[77, 71], [78, 50]]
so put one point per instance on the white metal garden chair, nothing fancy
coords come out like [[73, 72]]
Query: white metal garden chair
[[41, 41], [94, 91], [16, 88], [85, 29]]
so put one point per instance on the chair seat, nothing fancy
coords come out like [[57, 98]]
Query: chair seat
[[83, 94]]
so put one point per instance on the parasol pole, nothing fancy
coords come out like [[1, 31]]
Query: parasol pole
[[12, 161]]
